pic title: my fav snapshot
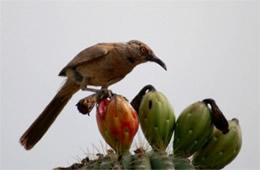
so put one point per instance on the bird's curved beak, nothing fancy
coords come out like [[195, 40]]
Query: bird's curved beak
[[155, 59]]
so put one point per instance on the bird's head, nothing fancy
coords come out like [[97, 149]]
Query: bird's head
[[141, 53]]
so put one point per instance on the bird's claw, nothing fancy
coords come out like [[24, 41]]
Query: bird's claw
[[103, 93]]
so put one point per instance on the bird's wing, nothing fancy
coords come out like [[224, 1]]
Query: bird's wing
[[89, 54]]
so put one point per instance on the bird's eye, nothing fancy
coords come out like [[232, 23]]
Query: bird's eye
[[143, 50]]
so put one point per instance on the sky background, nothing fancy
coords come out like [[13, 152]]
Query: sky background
[[211, 49]]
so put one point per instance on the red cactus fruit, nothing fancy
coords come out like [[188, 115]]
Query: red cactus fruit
[[117, 122]]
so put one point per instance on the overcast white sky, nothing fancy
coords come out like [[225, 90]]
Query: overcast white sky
[[211, 49]]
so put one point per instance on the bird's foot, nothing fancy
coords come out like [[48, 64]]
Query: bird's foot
[[103, 93]]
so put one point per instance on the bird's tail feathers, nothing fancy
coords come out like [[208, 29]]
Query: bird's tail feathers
[[48, 115]]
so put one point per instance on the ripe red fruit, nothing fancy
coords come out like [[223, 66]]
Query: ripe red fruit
[[117, 122]]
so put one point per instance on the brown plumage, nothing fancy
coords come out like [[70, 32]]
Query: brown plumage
[[100, 65]]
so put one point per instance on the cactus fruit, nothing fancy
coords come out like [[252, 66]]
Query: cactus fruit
[[193, 128], [157, 119], [117, 122], [220, 149], [200, 131]]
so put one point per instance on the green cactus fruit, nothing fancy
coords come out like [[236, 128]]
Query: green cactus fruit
[[157, 119], [193, 128], [220, 149], [117, 122]]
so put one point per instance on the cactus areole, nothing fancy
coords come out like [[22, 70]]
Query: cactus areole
[[117, 122]]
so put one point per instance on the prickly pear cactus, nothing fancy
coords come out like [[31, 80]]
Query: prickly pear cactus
[[193, 128], [117, 122], [220, 149]]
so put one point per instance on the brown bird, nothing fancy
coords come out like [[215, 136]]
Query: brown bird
[[100, 65]]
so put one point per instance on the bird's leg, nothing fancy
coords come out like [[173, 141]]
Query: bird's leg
[[102, 93], [91, 90], [103, 90]]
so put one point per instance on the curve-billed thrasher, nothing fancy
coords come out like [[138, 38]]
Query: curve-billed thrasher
[[100, 65]]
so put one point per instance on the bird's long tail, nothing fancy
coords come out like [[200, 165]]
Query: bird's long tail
[[39, 127]]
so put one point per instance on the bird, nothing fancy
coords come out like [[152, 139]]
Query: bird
[[99, 65]]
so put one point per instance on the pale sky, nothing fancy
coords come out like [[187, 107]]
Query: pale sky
[[211, 49]]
